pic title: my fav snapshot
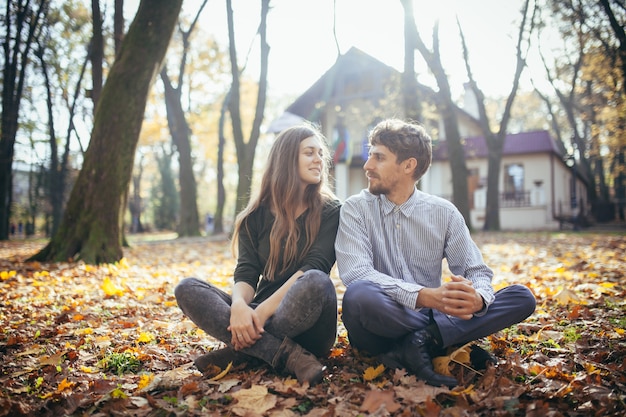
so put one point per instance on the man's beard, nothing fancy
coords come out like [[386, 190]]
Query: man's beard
[[377, 189]]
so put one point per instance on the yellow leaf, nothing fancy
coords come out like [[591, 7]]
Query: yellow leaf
[[372, 373], [65, 385], [461, 355], [145, 337], [4, 275], [223, 373], [81, 332], [144, 381], [441, 364], [118, 393], [110, 289], [88, 369]]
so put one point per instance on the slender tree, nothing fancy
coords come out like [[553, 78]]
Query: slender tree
[[447, 110], [22, 22], [96, 53], [189, 222], [91, 229], [410, 96], [495, 140], [246, 150]]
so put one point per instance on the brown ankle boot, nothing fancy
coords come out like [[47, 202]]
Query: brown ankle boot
[[294, 359], [220, 358]]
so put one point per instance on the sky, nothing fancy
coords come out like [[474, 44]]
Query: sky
[[300, 34]]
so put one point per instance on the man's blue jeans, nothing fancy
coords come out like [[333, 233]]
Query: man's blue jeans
[[375, 322]]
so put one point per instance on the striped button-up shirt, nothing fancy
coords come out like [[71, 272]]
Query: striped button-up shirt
[[401, 248]]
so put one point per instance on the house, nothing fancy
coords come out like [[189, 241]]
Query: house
[[358, 91], [538, 189]]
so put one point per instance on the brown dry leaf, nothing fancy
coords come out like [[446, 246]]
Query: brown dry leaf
[[375, 399], [53, 360], [419, 392], [255, 399]]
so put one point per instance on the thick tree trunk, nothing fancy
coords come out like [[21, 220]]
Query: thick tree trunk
[[91, 226]]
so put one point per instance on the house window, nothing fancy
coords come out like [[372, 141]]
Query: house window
[[513, 181]]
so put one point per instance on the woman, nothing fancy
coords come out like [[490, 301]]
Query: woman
[[283, 307]]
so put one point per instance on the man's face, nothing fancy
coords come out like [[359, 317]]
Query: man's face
[[382, 170]]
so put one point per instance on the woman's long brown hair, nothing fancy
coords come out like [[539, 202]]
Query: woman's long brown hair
[[281, 192]]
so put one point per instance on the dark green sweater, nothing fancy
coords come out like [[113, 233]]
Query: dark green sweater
[[254, 249]]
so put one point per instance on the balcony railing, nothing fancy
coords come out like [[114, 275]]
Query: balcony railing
[[508, 199], [515, 199]]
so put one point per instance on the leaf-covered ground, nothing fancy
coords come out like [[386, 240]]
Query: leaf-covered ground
[[81, 340]]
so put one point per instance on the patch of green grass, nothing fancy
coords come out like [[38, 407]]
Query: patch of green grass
[[571, 334], [121, 363]]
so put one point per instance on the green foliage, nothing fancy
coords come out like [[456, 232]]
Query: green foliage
[[121, 363]]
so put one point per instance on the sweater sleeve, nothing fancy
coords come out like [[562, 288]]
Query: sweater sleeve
[[249, 265], [321, 256]]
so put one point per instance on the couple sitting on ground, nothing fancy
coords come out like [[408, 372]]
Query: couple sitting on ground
[[389, 242]]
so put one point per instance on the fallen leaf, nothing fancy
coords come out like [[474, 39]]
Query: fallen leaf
[[254, 399], [223, 373], [375, 400], [372, 373], [566, 296]]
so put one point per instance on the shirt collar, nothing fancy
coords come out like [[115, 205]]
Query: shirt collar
[[405, 208]]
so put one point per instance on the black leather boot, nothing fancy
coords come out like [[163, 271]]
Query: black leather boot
[[412, 354], [480, 358], [294, 359]]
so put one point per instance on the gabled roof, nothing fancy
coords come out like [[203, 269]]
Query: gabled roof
[[531, 142], [352, 62]]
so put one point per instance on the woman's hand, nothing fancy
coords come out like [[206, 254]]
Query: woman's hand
[[245, 325]]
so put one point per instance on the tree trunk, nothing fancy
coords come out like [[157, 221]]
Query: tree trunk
[[25, 24], [456, 154], [91, 226], [494, 159], [96, 53], [412, 106], [447, 111], [495, 141], [118, 25], [218, 224], [135, 205], [245, 151], [189, 222]]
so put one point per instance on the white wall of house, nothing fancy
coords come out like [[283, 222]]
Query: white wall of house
[[546, 186]]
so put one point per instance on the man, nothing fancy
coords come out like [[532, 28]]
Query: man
[[391, 241]]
